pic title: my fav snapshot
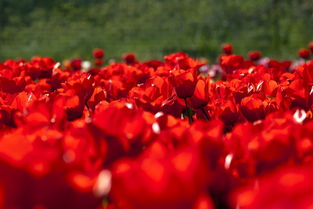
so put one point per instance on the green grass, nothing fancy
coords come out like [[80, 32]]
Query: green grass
[[153, 28]]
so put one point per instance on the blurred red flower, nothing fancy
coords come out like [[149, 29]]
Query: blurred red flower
[[76, 64], [98, 53], [230, 63], [304, 53], [227, 49], [254, 55]]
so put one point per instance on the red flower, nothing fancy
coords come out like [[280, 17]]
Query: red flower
[[264, 146], [154, 63], [98, 53], [155, 95], [253, 108], [98, 62], [308, 73], [130, 128], [158, 179], [254, 55], [230, 63], [180, 60], [304, 53], [76, 64], [130, 58], [78, 91], [289, 187], [40, 67], [227, 49], [15, 85], [184, 82], [200, 97], [98, 95], [270, 87]]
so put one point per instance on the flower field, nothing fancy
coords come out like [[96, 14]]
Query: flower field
[[178, 133]]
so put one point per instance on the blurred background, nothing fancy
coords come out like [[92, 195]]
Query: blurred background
[[152, 28]]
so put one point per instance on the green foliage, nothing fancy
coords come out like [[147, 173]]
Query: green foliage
[[153, 28]]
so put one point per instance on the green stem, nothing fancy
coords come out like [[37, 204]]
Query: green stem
[[188, 111]]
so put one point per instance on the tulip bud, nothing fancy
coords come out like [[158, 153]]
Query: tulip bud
[[227, 48], [254, 55], [304, 53], [98, 53]]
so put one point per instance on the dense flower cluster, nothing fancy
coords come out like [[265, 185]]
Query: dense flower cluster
[[172, 134]]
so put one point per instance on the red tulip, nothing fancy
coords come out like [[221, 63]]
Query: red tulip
[[270, 87], [254, 55], [200, 98], [253, 108], [180, 60], [304, 53], [288, 187], [308, 73], [98, 62], [76, 64], [184, 82], [227, 49], [159, 179], [130, 58], [98, 53], [230, 63]]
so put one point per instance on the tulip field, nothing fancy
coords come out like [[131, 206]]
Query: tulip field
[[177, 133]]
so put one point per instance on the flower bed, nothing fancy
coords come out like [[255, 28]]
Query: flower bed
[[178, 133]]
